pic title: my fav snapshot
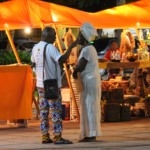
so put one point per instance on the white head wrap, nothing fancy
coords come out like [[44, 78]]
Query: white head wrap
[[88, 31]]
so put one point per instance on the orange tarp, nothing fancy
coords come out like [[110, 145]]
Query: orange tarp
[[49, 13], [17, 14], [15, 92], [13, 15], [124, 16]]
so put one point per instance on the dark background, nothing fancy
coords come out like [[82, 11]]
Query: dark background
[[87, 5]]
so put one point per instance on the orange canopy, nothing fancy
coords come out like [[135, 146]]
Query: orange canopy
[[124, 16], [16, 14]]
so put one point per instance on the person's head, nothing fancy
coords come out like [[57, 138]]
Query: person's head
[[87, 33], [113, 44], [81, 39], [48, 35]]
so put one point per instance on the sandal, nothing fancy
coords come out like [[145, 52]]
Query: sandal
[[47, 141], [88, 139], [63, 141]]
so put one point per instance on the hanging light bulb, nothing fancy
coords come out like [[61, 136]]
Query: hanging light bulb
[[27, 30], [137, 24]]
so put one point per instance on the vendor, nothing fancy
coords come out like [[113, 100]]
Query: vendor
[[113, 53]]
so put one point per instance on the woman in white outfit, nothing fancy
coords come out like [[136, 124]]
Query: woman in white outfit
[[90, 77]]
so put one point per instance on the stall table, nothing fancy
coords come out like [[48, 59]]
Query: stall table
[[16, 92], [115, 84], [123, 65]]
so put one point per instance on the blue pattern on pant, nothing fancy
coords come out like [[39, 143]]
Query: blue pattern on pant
[[56, 114]]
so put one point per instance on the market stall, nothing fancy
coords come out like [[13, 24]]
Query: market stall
[[124, 96], [131, 94], [35, 13]]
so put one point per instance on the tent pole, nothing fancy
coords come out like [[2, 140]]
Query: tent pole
[[42, 26], [13, 46], [67, 75]]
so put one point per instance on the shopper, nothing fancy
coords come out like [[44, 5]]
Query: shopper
[[90, 96], [52, 71]]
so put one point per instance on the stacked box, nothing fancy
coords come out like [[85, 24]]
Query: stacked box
[[117, 95], [106, 95], [125, 113], [112, 112], [113, 96]]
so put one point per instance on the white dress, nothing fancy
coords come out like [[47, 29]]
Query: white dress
[[91, 95]]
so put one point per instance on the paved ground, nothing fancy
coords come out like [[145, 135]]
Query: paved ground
[[133, 135]]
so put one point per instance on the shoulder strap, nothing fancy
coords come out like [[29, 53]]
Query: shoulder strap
[[44, 58]]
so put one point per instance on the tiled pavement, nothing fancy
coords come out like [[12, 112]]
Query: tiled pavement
[[132, 135]]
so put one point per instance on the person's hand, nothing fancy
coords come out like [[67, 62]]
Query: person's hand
[[74, 44], [75, 75]]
